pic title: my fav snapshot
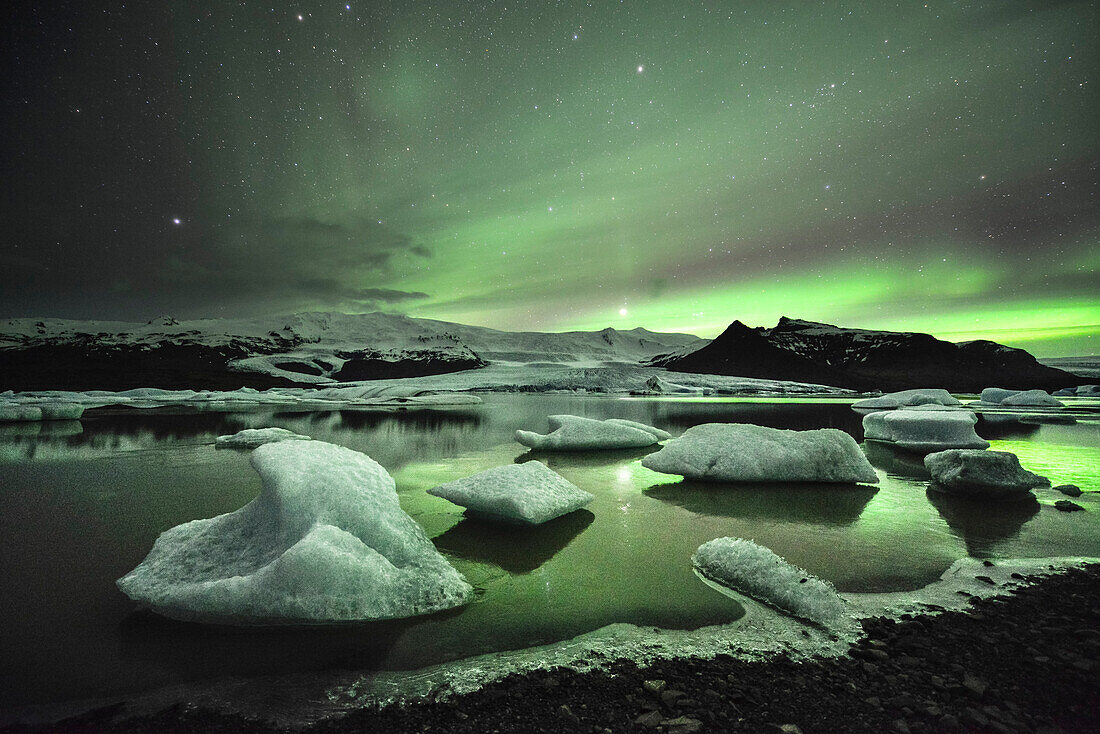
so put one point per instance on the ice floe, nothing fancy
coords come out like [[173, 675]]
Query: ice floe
[[250, 438], [756, 571], [325, 541], [924, 428], [985, 474], [575, 433], [1018, 398], [916, 396], [740, 452], [530, 493], [39, 410]]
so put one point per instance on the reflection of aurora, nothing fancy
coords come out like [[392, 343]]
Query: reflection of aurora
[[1060, 463]]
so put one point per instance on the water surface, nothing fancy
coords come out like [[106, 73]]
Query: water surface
[[83, 501]]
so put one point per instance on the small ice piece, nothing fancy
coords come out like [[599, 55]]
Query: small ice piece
[[15, 412], [976, 473], [530, 493], [994, 395], [740, 452], [756, 571], [656, 385], [325, 541], [924, 428], [916, 396], [1033, 398], [574, 433], [661, 435], [250, 438]]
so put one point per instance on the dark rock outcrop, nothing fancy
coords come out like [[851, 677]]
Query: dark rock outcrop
[[805, 351]]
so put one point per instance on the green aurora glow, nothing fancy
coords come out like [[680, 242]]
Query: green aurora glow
[[551, 166]]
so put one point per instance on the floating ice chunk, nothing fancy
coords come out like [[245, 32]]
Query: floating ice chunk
[[325, 541], [925, 428], [738, 452], [917, 396], [994, 395], [250, 438], [756, 571], [574, 433], [1088, 390], [661, 435], [530, 493], [975, 473], [657, 385], [12, 412], [1033, 398]]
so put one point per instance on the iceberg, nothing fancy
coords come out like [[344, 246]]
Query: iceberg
[[986, 474], [1033, 398], [574, 433], [916, 396], [661, 435], [250, 438], [739, 452], [530, 493], [39, 410], [1027, 398], [924, 428], [756, 571], [325, 541], [662, 387]]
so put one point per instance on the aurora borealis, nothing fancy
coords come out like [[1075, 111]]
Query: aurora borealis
[[552, 166]]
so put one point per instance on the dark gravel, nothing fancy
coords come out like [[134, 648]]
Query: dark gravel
[[1023, 663]]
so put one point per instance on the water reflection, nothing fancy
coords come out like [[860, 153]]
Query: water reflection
[[568, 459], [995, 426], [895, 460], [810, 503], [982, 525], [516, 549]]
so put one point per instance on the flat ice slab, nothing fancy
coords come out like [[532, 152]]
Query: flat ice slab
[[925, 428], [530, 493], [985, 474], [916, 396], [756, 571], [250, 438], [740, 452], [325, 541], [574, 433]]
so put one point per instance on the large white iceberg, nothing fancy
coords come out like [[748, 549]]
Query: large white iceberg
[[916, 396], [530, 493], [975, 473], [325, 541], [756, 571], [924, 428], [740, 452], [250, 438], [574, 433]]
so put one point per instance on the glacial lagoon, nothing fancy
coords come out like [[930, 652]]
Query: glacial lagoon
[[81, 503]]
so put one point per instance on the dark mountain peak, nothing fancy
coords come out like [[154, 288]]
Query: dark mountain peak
[[808, 351]]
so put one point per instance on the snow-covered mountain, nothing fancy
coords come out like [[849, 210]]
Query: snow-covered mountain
[[806, 351], [305, 348]]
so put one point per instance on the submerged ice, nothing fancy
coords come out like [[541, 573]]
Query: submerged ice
[[740, 452], [325, 541], [530, 493], [756, 571]]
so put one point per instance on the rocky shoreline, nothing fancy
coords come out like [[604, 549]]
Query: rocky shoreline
[[1025, 662]]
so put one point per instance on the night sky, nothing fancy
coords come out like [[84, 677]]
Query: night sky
[[553, 166]]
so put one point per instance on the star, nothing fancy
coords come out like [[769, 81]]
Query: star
[[177, 221], [640, 68]]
